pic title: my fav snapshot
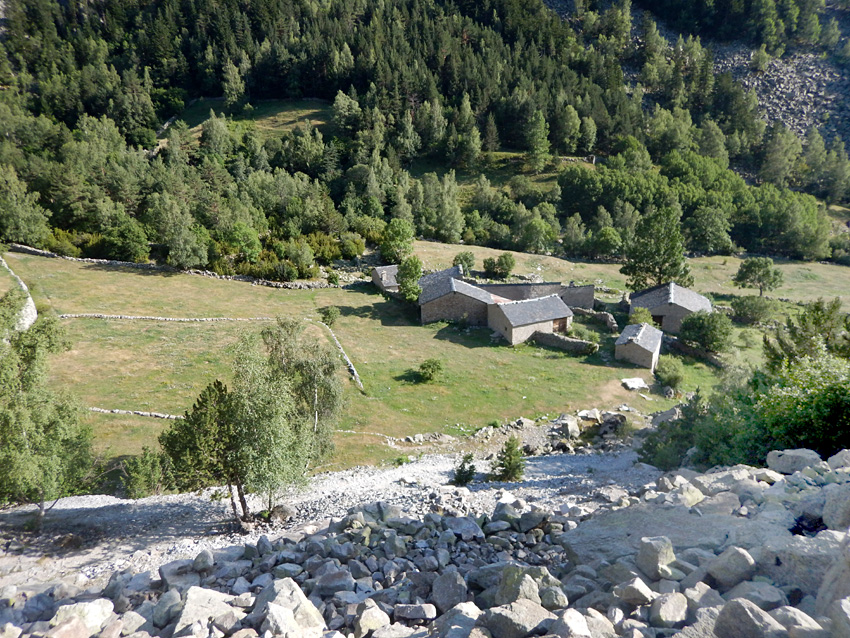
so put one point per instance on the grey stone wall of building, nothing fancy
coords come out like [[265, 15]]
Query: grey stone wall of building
[[455, 307], [633, 353], [578, 296], [521, 292], [671, 316]]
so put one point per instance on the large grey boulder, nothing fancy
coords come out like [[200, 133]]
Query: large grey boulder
[[286, 593], [457, 622], [792, 617], [836, 582], [733, 566], [180, 575], [839, 613], [167, 608], [790, 461], [516, 584], [836, 507], [464, 527], [280, 621], [701, 596], [668, 611], [743, 619], [654, 556], [799, 561], [415, 612], [839, 459], [635, 592], [517, 620], [94, 614], [723, 481], [331, 582], [202, 604], [571, 624], [369, 618], [448, 590], [765, 595]]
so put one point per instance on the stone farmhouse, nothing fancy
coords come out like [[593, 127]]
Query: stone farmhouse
[[517, 321], [639, 344], [669, 304], [384, 277]]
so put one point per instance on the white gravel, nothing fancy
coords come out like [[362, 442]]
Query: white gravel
[[145, 533]]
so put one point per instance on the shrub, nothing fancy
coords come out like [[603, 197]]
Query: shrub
[[580, 331], [329, 315], [670, 371], [325, 248], [711, 331], [465, 259], [146, 475], [465, 472], [753, 309], [641, 315], [510, 465], [409, 272], [351, 245], [430, 369], [501, 267], [333, 278]]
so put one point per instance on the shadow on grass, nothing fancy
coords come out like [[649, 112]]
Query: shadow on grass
[[473, 337], [389, 312], [412, 377], [159, 271]]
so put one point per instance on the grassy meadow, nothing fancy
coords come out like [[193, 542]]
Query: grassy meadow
[[162, 366]]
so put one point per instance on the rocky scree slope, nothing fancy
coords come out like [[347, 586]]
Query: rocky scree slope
[[689, 554]]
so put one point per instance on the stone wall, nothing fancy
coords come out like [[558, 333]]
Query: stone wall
[[578, 296], [455, 307], [633, 353], [521, 292], [605, 317], [575, 346], [28, 314]]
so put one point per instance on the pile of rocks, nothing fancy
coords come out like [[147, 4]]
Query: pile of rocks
[[697, 555]]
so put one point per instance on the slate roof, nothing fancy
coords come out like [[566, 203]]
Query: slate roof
[[444, 288], [671, 293], [528, 311], [438, 284], [387, 274], [642, 334]]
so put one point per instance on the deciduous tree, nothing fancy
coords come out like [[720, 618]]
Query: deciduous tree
[[656, 253], [758, 272]]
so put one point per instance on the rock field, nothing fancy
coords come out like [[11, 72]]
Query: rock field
[[590, 544]]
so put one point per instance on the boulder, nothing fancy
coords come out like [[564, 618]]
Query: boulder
[[733, 566], [635, 592], [836, 507], [286, 593], [415, 612], [839, 459], [517, 620], [457, 622], [743, 619], [571, 624], [790, 461], [70, 627], [331, 582], [448, 591], [369, 618], [669, 611], [701, 596], [654, 556], [202, 604], [765, 595], [716, 482], [836, 581], [179, 575], [94, 614], [204, 561], [792, 617], [167, 607], [464, 527], [839, 613], [516, 584], [280, 621], [553, 598]]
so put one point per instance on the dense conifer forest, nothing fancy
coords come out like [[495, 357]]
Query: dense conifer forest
[[87, 85]]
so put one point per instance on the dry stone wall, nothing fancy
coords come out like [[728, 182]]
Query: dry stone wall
[[28, 314]]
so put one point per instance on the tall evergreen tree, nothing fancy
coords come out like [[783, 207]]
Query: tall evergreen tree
[[656, 254]]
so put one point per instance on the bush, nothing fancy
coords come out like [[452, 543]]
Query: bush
[[670, 371], [465, 259], [333, 278], [430, 369], [501, 267], [711, 331], [510, 465], [351, 245], [329, 315], [465, 472], [641, 315], [325, 249], [147, 475], [409, 273], [753, 309], [580, 331]]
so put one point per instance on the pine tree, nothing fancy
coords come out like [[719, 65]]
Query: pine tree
[[491, 134], [233, 87], [537, 142], [656, 253]]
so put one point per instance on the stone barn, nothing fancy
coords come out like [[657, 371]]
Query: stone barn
[[384, 277], [669, 304], [449, 299], [639, 344], [516, 321]]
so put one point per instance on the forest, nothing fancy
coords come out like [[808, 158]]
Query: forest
[[86, 86]]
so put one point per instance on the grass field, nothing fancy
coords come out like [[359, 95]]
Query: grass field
[[268, 117], [162, 366]]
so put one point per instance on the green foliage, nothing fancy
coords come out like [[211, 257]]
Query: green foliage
[[656, 254], [22, 220], [641, 315], [465, 471], [510, 464], [409, 273], [819, 322], [466, 259], [431, 369], [758, 272], [580, 331], [499, 267], [333, 278], [146, 475], [397, 241], [329, 315], [351, 245], [670, 371], [752, 309], [710, 331], [45, 449]]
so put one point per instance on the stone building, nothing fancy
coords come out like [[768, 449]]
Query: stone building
[[454, 300], [669, 304], [639, 344], [384, 277], [516, 321]]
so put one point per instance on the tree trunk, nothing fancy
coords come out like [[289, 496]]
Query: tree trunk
[[242, 500], [232, 500], [39, 519]]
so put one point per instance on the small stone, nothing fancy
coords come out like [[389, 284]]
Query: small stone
[[553, 598]]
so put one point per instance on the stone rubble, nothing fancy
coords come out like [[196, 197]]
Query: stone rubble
[[649, 565]]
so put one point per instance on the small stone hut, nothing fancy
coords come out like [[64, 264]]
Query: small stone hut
[[639, 344], [669, 304], [516, 321], [384, 277]]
